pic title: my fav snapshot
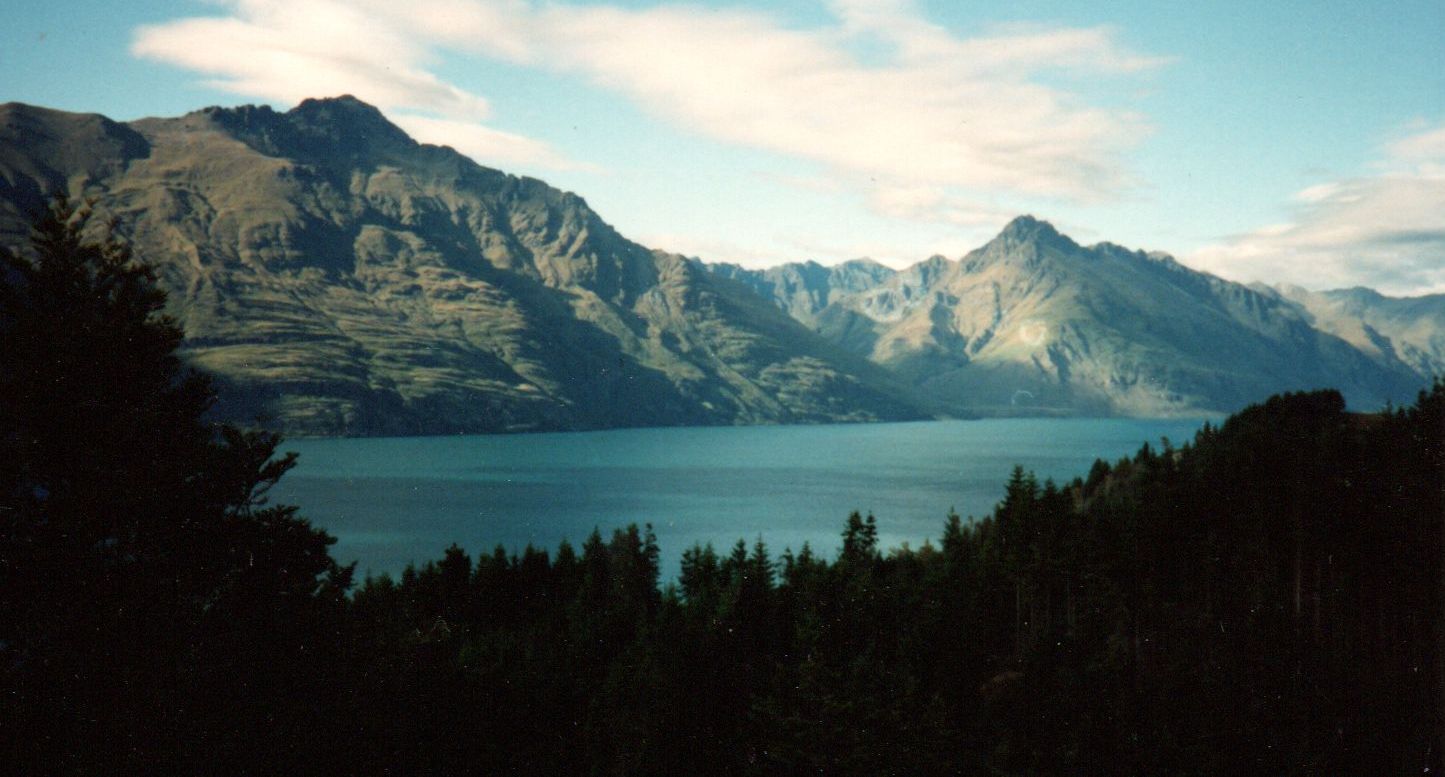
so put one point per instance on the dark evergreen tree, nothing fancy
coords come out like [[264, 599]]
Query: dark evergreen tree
[[139, 560]]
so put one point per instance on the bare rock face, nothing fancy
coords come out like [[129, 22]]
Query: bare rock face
[[1033, 323], [1408, 330], [339, 278]]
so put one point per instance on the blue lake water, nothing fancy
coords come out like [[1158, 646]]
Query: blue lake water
[[391, 501]]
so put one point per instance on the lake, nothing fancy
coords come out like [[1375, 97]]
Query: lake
[[391, 501]]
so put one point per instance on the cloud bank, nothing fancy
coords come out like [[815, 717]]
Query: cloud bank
[[1386, 231], [878, 97], [935, 109]]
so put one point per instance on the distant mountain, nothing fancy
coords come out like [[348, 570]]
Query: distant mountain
[[802, 290], [340, 278], [1394, 330], [1034, 323]]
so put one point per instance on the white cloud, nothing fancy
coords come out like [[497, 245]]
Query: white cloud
[[941, 110], [484, 143], [293, 49], [935, 204], [1426, 147], [1385, 231], [288, 50], [964, 114], [1023, 48]]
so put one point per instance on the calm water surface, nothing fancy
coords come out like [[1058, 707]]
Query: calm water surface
[[391, 501]]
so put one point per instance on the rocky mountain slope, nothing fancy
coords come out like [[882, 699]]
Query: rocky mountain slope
[[1033, 323], [340, 278], [1392, 329]]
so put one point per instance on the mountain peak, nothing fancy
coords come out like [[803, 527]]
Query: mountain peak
[[1026, 228], [1024, 238], [1361, 293], [342, 106], [348, 120], [341, 129]]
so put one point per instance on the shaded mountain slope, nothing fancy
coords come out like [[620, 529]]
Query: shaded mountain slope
[[340, 278]]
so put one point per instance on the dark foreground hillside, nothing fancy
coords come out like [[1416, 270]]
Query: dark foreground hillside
[[1263, 600]]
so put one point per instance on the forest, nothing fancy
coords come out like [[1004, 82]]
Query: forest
[[1263, 599]]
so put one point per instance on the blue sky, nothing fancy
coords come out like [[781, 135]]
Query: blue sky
[[1295, 142]]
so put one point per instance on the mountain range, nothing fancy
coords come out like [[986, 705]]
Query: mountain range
[[1034, 323], [338, 277]]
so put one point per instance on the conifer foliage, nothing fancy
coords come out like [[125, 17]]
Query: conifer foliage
[[138, 557]]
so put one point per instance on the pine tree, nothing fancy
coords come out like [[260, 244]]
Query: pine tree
[[860, 538], [699, 578], [133, 534]]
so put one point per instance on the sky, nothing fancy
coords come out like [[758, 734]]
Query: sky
[[1284, 142]]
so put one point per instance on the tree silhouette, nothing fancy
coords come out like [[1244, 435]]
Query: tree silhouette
[[134, 535]]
